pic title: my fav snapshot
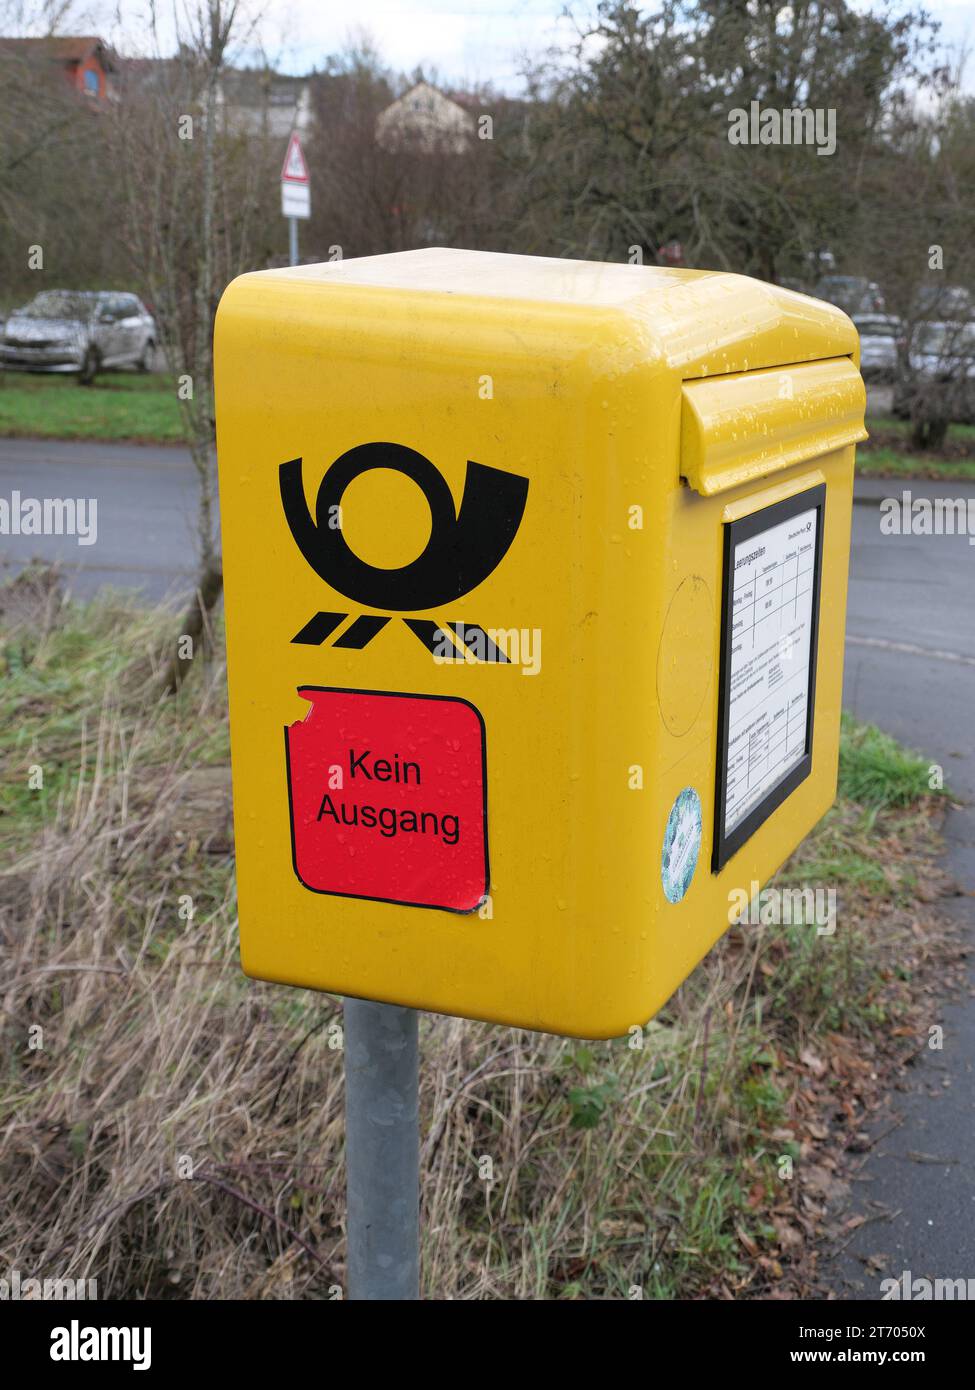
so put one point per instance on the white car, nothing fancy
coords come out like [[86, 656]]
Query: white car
[[941, 357], [878, 345], [83, 331], [944, 351]]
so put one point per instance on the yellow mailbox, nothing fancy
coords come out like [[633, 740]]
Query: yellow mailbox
[[535, 587]]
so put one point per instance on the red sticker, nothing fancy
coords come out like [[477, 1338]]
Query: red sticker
[[388, 798]]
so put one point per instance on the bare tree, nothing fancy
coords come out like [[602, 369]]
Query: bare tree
[[398, 191], [914, 236], [195, 195]]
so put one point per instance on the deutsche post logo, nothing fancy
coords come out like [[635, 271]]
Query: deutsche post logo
[[463, 549]]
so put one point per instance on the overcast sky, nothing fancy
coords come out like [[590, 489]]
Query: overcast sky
[[476, 41]]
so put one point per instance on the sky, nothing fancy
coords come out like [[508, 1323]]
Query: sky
[[480, 41], [465, 41]]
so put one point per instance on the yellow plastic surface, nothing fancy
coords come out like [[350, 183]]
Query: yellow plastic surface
[[571, 375], [738, 429]]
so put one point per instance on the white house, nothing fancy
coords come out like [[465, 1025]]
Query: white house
[[425, 118]]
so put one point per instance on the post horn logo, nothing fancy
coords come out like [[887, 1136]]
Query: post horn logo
[[463, 549]]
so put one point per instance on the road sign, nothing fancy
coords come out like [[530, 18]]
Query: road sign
[[295, 184], [535, 593]]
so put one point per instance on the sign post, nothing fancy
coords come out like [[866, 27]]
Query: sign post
[[295, 193], [382, 1151]]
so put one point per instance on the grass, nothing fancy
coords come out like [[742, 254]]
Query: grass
[[876, 771], [889, 454], [143, 408], [119, 405], [177, 1131], [890, 424], [890, 463]]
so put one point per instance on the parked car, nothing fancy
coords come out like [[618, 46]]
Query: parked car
[[81, 331], [878, 345], [943, 351], [941, 303], [854, 294], [940, 356]]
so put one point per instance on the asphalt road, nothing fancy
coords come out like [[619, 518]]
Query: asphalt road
[[146, 510], [910, 667]]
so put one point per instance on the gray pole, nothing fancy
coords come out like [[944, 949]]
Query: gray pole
[[382, 1151], [292, 241]]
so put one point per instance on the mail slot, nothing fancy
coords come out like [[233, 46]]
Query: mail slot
[[535, 589]]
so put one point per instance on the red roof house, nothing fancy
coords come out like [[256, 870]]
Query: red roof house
[[85, 63]]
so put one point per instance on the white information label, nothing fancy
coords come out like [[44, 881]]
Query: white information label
[[295, 200], [770, 657]]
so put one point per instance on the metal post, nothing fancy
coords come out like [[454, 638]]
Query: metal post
[[382, 1151], [292, 241]]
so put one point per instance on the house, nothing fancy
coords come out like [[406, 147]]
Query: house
[[252, 102], [427, 119], [86, 64], [256, 102]]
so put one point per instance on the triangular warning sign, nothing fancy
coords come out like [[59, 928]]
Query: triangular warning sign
[[294, 170]]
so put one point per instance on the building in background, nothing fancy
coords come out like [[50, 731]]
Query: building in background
[[253, 102], [427, 119], [86, 63], [258, 102]]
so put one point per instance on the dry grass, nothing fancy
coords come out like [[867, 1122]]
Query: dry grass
[[179, 1131]]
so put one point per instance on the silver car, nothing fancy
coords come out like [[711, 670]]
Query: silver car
[[944, 351], [854, 294], [878, 345], [941, 359], [83, 331]]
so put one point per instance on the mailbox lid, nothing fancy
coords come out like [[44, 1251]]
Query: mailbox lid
[[741, 428]]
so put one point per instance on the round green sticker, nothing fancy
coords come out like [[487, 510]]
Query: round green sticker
[[682, 844]]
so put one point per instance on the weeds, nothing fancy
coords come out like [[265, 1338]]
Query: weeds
[[876, 772], [176, 1130]]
